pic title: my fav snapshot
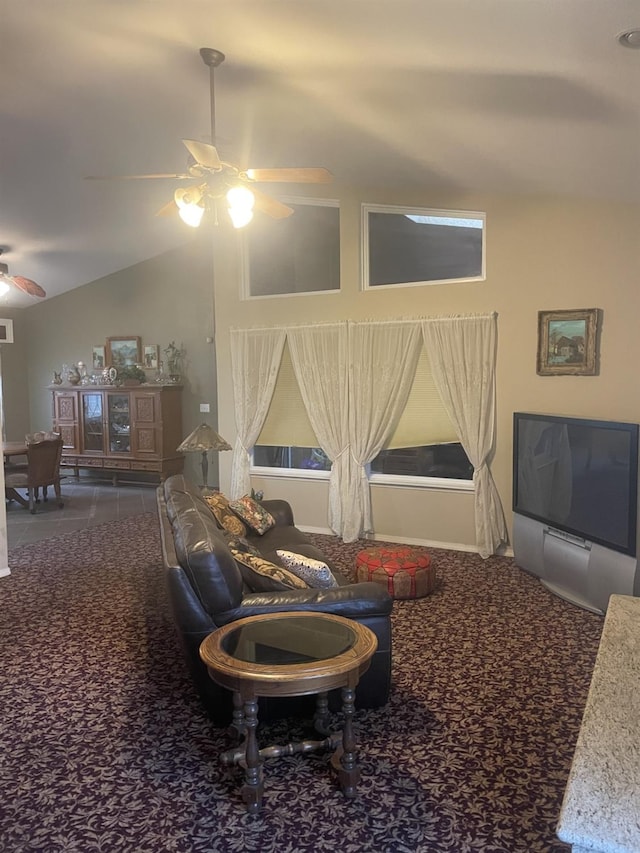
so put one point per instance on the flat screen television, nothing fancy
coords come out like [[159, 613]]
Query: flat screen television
[[578, 476]]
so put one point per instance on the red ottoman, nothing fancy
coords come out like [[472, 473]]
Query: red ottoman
[[405, 571]]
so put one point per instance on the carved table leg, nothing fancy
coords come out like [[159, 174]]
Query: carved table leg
[[253, 786], [345, 759], [321, 716], [237, 722]]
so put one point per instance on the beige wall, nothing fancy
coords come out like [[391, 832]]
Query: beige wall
[[541, 255], [166, 298], [548, 254]]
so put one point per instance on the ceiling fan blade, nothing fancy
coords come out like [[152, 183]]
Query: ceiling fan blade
[[168, 209], [135, 177], [27, 286], [271, 206], [203, 153], [291, 175]]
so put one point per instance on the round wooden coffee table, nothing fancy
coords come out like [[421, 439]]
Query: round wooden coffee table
[[290, 654]]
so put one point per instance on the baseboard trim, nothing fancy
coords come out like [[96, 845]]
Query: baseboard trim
[[504, 551], [425, 543], [5, 572]]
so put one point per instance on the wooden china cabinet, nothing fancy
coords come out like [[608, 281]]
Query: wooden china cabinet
[[120, 428]]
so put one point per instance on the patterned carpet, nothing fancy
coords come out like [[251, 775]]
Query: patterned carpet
[[105, 746]]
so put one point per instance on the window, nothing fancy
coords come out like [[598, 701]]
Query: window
[[287, 439], [423, 445], [299, 254], [413, 246]]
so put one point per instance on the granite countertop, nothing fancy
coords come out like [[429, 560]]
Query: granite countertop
[[601, 808]]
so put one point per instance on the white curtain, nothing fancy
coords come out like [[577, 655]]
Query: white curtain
[[319, 358], [383, 359], [255, 359], [462, 352]]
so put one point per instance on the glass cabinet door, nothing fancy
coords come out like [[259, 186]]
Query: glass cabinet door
[[92, 423], [119, 421]]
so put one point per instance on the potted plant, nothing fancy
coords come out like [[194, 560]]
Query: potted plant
[[131, 374]]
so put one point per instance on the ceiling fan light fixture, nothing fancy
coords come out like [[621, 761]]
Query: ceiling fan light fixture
[[5, 287], [241, 201], [191, 214], [240, 218], [189, 205]]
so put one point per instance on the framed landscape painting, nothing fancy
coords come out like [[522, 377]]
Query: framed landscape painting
[[122, 352], [567, 342]]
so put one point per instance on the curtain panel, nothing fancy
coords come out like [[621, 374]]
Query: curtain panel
[[382, 360], [255, 358], [462, 351], [319, 357]]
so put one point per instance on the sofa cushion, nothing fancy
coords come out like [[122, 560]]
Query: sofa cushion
[[314, 573], [262, 576], [253, 515], [228, 520]]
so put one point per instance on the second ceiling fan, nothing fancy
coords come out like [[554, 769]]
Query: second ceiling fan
[[213, 179]]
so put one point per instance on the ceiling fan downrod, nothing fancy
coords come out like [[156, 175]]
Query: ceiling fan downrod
[[212, 58]]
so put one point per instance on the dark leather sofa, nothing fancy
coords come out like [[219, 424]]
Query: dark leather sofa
[[207, 590]]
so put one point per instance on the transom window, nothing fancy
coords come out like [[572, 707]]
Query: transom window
[[299, 254], [404, 246]]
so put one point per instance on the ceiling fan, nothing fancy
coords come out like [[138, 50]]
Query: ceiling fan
[[213, 179], [26, 285]]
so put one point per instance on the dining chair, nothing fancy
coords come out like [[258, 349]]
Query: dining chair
[[41, 471]]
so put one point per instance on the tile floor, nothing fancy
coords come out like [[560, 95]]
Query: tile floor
[[87, 502]]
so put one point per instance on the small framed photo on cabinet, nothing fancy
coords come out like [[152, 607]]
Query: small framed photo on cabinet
[[98, 358], [151, 360]]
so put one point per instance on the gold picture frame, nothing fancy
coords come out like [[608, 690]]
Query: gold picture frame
[[567, 342], [123, 351]]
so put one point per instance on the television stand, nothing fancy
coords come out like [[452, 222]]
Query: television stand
[[575, 569], [573, 597]]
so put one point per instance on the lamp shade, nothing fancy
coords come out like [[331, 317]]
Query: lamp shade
[[203, 438]]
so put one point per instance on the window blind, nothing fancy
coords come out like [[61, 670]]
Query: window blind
[[287, 424], [423, 422], [424, 419]]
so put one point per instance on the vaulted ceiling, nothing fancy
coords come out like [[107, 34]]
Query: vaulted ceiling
[[499, 96]]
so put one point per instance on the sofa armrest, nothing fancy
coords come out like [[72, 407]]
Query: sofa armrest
[[280, 510], [354, 601]]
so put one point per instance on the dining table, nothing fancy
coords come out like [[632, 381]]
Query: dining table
[[14, 448]]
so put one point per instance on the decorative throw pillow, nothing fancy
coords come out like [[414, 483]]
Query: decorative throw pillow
[[239, 543], [228, 520], [313, 572], [262, 576], [253, 515]]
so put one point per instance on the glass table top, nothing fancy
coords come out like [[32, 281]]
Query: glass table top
[[289, 641]]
